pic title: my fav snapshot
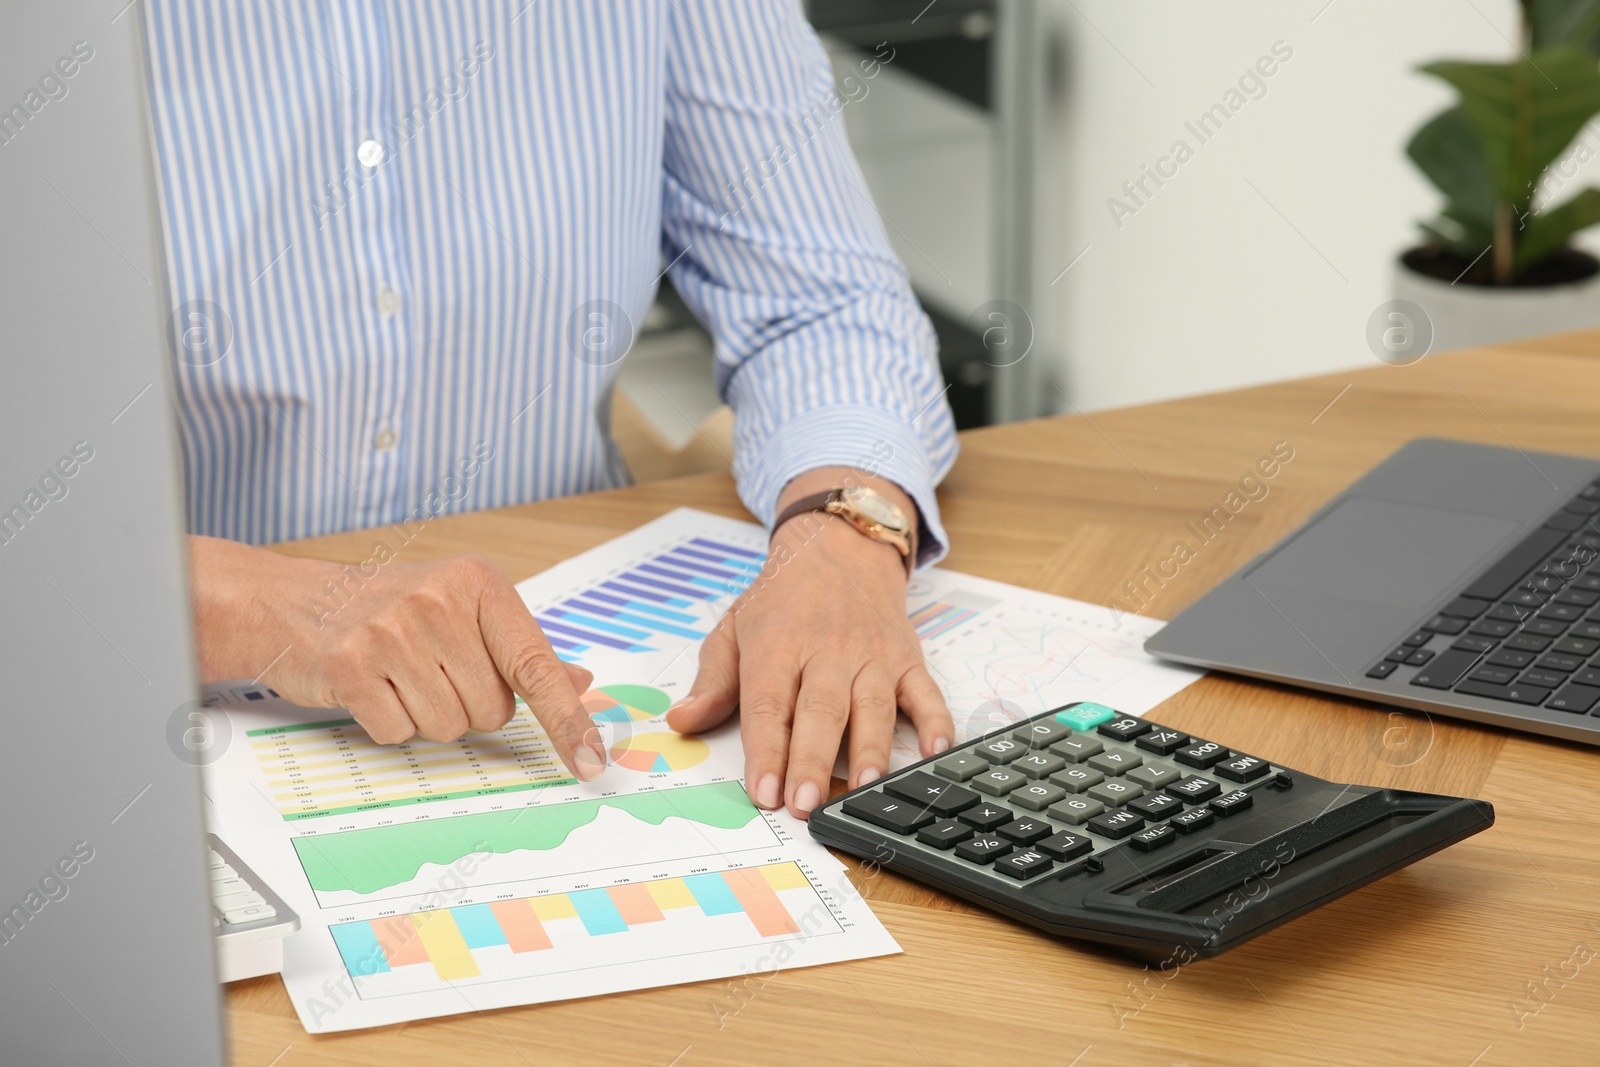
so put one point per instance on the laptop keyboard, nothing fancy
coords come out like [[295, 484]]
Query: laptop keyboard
[[1525, 631]]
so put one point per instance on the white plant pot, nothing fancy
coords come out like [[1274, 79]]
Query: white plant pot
[[1467, 315]]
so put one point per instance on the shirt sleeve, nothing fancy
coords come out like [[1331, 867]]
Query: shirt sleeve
[[774, 242]]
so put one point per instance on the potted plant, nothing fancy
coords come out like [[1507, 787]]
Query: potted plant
[[1498, 262]]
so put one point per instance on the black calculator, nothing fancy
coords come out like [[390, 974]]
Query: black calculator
[[1091, 824]]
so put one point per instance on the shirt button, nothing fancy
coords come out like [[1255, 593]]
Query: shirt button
[[370, 153], [384, 440], [388, 301]]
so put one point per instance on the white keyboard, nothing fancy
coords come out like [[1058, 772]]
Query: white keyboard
[[249, 920]]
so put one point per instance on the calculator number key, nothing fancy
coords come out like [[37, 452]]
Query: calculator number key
[[1076, 749], [1042, 733], [1038, 764], [1116, 762], [1000, 750], [1075, 810], [1116, 791], [998, 781], [1201, 754], [1077, 779]]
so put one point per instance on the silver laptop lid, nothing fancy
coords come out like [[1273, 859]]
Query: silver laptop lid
[[105, 939]]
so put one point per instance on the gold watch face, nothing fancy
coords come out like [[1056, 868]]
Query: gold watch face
[[875, 507]]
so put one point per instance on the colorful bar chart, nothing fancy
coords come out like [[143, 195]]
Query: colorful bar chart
[[467, 941], [664, 596], [941, 616]]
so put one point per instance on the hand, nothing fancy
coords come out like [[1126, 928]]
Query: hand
[[418, 648], [820, 641]]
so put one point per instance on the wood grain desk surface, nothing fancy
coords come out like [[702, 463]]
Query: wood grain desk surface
[[1484, 954]]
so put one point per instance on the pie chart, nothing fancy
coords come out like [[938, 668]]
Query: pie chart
[[655, 752], [626, 703]]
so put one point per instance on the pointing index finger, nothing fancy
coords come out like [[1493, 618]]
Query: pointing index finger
[[526, 661]]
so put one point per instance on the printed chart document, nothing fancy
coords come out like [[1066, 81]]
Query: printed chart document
[[439, 878]]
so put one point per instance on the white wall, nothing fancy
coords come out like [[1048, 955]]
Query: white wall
[[1262, 258]]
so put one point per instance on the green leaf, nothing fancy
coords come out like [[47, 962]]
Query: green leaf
[[1525, 112], [1450, 153], [1558, 22], [1550, 230]]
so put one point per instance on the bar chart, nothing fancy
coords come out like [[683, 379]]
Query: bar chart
[[543, 935], [669, 596]]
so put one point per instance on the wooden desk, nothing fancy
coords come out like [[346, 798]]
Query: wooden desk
[[1429, 966]]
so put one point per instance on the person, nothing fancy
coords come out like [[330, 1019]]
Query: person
[[407, 244]]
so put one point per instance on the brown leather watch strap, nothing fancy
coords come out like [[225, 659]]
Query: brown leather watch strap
[[819, 502]]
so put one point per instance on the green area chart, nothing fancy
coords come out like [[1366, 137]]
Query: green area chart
[[365, 861]]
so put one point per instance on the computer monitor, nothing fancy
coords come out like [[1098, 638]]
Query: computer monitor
[[105, 940]]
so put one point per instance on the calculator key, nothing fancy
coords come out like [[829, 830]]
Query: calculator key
[[1124, 729], [1201, 754], [1192, 820], [1042, 733], [1577, 698], [1075, 810], [945, 834], [1038, 764], [1117, 761], [1242, 769], [1036, 796], [1232, 803], [1023, 865], [998, 781], [961, 766], [893, 814], [1076, 749], [940, 797], [1065, 846], [1000, 750], [1153, 777], [1153, 837], [1162, 741], [1116, 791], [1085, 716], [1156, 806], [1116, 824], [1194, 789], [987, 816], [1026, 831], [985, 848], [1077, 779]]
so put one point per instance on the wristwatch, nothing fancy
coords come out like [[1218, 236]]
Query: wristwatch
[[869, 511]]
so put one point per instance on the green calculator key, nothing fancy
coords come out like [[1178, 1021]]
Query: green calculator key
[[1085, 716]]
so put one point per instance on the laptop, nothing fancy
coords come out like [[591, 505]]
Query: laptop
[[1455, 579], [107, 938]]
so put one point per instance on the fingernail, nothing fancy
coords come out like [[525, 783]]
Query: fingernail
[[767, 791], [869, 775], [940, 744], [682, 702], [589, 761], [807, 796]]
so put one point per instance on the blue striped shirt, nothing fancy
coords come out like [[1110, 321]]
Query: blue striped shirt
[[407, 243]]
